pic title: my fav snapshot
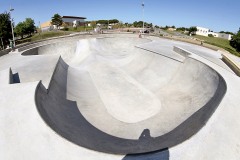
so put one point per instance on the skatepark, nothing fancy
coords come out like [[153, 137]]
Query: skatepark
[[118, 96]]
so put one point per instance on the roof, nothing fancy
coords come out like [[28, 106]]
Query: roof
[[46, 24], [73, 17]]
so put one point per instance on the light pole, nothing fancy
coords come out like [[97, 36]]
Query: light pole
[[2, 43], [143, 14], [11, 9]]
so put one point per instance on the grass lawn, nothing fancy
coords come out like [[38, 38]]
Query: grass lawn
[[80, 29], [43, 35], [219, 42]]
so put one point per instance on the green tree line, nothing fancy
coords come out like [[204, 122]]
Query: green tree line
[[140, 24], [108, 21], [5, 29], [235, 41], [26, 27]]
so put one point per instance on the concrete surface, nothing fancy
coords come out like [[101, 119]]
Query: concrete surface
[[117, 94]]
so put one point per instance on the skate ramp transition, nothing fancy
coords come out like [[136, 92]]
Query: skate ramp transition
[[108, 95]]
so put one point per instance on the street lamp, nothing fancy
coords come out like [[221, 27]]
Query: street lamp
[[143, 14], [11, 9]]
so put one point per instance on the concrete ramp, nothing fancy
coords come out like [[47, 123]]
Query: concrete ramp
[[108, 96], [71, 120], [6, 77]]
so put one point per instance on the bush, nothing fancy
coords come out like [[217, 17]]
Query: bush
[[192, 30], [235, 41], [65, 29], [210, 35]]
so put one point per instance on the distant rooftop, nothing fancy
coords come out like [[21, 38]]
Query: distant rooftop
[[73, 17]]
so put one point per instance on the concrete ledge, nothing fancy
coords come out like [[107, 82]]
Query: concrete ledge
[[233, 65], [181, 51]]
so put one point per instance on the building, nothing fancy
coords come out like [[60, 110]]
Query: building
[[68, 21], [73, 21], [47, 26], [225, 36], [206, 32], [202, 31], [171, 29]]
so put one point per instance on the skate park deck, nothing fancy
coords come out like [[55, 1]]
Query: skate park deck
[[120, 94]]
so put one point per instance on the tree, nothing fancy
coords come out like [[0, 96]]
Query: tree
[[165, 28], [135, 24], [57, 20], [227, 32], [20, 29], [25, 27], [182, 29], [120, 24], [29, 26], [5, 28], [113, 21], [150, 25], [192, 30], [93, 24], [235, 41], [102, 21]]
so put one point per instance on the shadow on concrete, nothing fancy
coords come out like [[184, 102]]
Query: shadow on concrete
[[15, 78], [156, 155], [65, 119]]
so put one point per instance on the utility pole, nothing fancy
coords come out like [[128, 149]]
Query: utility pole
[[143, 14], [39, 24], [11, 9], [2, 43]]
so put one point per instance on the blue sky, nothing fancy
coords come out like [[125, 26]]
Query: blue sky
[[216, 15]]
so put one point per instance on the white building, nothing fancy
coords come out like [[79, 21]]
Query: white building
[[202, 31], [206, 32], [225, 36]]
